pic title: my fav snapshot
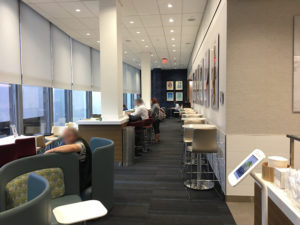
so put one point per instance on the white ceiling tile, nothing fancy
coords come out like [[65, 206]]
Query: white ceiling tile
[[93, 6], [176, 6], [91, 23], [146, 7], [175, 18], [72, 6], [155, 31], [152, 21], [127, 8], [193, 6], [132, 21], [53, 9], [191, 19]]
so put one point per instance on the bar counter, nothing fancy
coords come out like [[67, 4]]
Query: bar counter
[[106, 129]]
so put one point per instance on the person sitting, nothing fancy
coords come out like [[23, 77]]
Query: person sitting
[[141, 112], [125, 108], [72, 142]]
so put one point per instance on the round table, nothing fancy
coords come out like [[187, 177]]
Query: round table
[[199, 185]]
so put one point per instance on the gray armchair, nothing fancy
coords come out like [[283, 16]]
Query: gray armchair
[[36, 210], [67, 166], [102, 172]]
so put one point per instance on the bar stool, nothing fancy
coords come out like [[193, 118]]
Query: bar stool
[[204, 142], [194, 121]]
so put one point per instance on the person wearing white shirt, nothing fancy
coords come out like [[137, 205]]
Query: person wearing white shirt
[[141, 112]]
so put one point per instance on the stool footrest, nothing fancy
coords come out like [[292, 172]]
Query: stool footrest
[[199, 185]]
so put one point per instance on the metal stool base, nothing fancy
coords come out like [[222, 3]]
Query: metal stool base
[[199, 185]]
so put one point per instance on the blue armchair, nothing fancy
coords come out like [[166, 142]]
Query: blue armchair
[[36, 210], [102, 172], [60, 170]]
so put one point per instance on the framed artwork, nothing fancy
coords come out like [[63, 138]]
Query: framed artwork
[[206, 84], [170, 85], [296, 76], [179, 96], [201, 82], [179, 85], [170, 96], [214, 74]]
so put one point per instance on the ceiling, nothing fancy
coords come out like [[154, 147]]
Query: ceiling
[[164, 28]]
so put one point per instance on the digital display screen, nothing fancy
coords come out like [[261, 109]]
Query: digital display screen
[[245, 167]]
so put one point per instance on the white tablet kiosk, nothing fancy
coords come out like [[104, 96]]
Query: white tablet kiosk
[[245, 167]]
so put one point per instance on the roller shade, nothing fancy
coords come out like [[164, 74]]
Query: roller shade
[[131, 79], [61, 50], [10, 69], [36, 54], [81, 65], [96, 70]]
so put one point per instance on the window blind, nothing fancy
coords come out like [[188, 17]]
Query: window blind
[[131, 79], [61, 51], [10, 69], [81, 65], [36, 54], [96, 70]]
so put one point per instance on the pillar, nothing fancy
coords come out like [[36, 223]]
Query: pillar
[[146, 78], [111, 66]]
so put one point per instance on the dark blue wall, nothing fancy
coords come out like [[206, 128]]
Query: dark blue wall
[[158, 84]]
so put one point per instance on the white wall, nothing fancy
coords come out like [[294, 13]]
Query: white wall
[[259, 81]]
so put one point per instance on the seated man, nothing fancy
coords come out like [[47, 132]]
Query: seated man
[[74, 143], [141, 112]]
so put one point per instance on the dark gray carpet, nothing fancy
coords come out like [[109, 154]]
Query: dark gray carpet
[[151, 192]]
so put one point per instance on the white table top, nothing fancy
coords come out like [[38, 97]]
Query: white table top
[[193, 118], [199, 126], [79, 212], [125, 119], [11, 139], [281, 198]]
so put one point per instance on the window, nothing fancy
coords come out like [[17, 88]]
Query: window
[[60, 107], [35, 110], [96, 103], [79, 105], [129, 105], [5, 109]]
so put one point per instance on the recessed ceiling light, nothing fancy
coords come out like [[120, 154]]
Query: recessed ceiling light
[[88, 34], [173, 39], [174, 50], [170, 5], [142, 40], [98, 41], [125, 52], [138, 32], [146, 46], [171, 20], [77, 10], [172, 31], [173, 45], [151, 55], [131, 22]]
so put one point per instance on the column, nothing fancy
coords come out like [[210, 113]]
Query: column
[[146, 78], [111, 67]]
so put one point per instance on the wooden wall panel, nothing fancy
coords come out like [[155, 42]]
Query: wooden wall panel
[[113, 132]]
